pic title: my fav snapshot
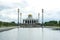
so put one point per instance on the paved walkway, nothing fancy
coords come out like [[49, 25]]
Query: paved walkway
[[6, 28]]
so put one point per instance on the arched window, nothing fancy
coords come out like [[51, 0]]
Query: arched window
[[32, 21], [25, 21], [28, 21]]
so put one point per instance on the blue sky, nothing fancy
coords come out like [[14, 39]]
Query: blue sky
[[8, 9]]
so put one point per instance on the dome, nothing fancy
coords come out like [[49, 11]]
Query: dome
[[30, 15]]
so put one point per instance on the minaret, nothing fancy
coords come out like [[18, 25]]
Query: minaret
[[38, 16], [42, 16], [18, 16], [42, 24]]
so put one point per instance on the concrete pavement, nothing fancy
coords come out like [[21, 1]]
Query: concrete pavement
[[6, 28]]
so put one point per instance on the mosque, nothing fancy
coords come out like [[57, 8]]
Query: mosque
[[30, 20]]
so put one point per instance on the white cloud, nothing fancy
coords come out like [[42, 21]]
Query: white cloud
[[51, 8]]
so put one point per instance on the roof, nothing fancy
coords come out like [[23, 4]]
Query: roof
[[30, 17]]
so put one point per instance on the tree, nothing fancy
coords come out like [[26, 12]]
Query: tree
[[51, 23], [13, 23], [59, 23], [0, 23]]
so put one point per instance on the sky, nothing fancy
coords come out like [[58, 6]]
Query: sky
[[8, 9]]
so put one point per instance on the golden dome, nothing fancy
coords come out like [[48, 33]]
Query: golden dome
[[30, 15]]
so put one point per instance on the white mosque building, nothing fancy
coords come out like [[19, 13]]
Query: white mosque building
[[30, 20]]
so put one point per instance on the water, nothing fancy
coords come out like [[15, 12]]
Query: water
[[30, 34]]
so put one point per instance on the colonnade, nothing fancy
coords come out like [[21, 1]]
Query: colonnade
[[29, 21]]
